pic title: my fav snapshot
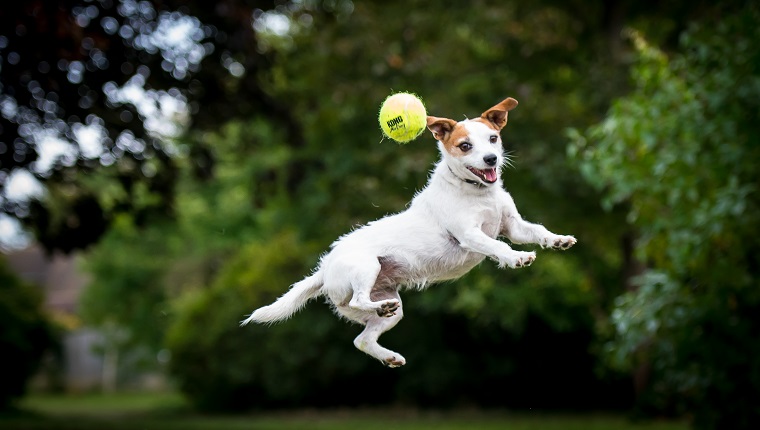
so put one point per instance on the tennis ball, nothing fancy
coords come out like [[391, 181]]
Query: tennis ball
[[402, 117]]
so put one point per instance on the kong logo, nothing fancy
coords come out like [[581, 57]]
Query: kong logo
[[396, 123]]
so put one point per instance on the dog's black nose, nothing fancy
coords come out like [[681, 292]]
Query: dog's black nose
[[490, 159]]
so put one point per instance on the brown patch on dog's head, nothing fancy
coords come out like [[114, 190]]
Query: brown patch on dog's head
[[452, 133], [447, 131], [497, 115]]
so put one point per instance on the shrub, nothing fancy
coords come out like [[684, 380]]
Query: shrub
[[310, 360], [25, 336]]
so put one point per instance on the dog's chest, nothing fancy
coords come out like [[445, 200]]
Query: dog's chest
[[489, 220], [455, 260], [482, 212]]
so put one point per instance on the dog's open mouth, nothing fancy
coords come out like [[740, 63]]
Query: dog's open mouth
[[488, 176]]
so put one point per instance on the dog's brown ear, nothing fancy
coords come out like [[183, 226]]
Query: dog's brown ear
[[440, 126], [497, 115]]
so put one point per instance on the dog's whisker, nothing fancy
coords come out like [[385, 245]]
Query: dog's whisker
[[509, 159], [509, 164]]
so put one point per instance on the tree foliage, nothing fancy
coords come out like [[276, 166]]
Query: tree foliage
[[102, 86], [682, 151], [99, 85]]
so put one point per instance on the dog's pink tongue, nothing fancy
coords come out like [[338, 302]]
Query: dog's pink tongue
[[490, 175]]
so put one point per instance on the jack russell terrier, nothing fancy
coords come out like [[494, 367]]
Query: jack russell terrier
[[449, 228]]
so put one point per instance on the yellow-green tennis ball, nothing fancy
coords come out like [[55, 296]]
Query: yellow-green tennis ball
[[402, 117]]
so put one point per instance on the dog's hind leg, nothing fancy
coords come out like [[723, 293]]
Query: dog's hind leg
[[374, 302], [366, 278], [367, 340], [374, 327]]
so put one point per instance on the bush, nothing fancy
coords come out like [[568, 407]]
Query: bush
[[25, 336], [222, 366], [310, 360]]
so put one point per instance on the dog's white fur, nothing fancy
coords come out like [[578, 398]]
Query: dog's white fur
[[449, 228]]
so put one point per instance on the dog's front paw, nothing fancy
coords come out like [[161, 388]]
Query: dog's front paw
[[562, 242], [519, 259]]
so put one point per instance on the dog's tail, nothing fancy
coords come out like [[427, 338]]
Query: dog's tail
[[290, 302]]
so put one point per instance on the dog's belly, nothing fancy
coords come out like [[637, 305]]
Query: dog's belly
[[400, 271], [412, 250], [454, 264], [431, 259]]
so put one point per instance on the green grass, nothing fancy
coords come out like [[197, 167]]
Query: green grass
[[170, 412]]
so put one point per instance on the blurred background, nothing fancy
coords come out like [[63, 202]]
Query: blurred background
[[168, 166]]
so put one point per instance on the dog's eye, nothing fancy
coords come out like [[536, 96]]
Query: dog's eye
[[493, 139], [465, 146]]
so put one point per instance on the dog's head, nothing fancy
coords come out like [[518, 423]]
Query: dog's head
[[472, 148]]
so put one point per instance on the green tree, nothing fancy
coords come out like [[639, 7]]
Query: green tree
[[681, 152]]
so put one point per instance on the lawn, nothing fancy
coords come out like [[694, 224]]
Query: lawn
[[169, 412]]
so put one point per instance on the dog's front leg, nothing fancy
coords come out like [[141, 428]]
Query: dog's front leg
[[476, 241], [517, 230]]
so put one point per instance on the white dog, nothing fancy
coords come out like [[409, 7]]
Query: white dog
[[449, 228]]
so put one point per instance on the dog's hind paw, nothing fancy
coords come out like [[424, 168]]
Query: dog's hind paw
[[394, 361], [388, 308]]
